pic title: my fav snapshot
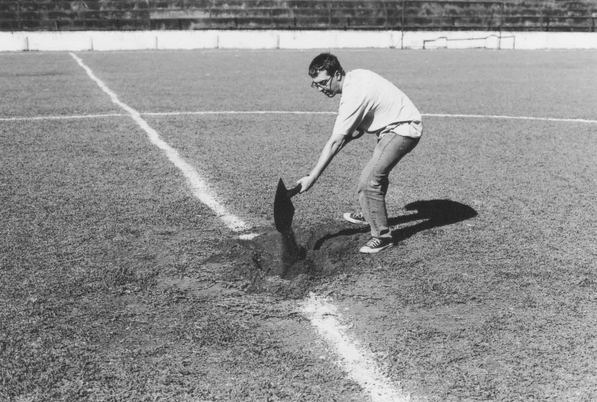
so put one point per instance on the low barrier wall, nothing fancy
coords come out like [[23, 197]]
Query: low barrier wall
[[214, 39]]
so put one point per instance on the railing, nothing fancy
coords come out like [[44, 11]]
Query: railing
[[406, 15]]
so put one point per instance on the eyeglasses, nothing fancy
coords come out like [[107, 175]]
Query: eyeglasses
[[322, 84]]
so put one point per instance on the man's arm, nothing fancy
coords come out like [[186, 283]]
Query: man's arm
[[331, 148]]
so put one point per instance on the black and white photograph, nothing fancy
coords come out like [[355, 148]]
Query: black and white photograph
[[298, 201]]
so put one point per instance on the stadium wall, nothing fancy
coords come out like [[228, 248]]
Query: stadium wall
[[250, 39]]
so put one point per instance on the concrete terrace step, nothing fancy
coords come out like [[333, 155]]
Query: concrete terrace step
[[297, 14]]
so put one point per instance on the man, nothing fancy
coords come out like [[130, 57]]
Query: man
[[369, 104]]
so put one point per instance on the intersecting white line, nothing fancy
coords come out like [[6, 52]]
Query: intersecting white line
[[292, 112], [197, 183]]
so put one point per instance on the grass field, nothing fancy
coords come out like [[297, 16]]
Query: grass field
[[118, 284]]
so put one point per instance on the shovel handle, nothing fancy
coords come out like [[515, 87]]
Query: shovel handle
[[293, 191]]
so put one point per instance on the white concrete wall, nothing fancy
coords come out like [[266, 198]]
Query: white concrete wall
[[457, 40], [143, 40], [248, 39], [553, 40], [192, 40], [51, 41], [13, 42]]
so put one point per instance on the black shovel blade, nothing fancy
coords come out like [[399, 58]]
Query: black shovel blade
[[283, 208]]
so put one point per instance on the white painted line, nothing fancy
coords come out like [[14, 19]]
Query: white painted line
[[480, 116], [249, 236], [355, 359], [208, 112], [198, 185], [264, 112], [71, 117], [234, 112]]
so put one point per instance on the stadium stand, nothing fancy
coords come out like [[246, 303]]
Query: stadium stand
[[515, 15]]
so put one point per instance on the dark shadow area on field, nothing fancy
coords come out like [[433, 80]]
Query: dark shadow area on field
[[432, 213]]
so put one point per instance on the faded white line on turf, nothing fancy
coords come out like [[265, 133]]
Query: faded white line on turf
[[249, 236], [198, 185], [67, 117], [354, 358], [480, 116], [264, 112], [204, 112], [474, 116]]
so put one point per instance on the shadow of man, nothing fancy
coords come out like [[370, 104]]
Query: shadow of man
[[432, 213]]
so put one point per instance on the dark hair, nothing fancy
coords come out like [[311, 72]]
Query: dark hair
[[327, 62]]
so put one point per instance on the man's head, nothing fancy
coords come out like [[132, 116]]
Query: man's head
[[327, 74]]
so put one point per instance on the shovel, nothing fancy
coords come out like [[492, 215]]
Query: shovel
[[283, 208]]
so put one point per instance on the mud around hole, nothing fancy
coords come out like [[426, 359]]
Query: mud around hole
[[287, 263]]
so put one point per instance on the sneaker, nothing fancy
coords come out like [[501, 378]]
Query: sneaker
[[376, 244], [355, 217]]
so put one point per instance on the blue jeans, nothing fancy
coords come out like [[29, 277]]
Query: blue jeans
[[373, 184]]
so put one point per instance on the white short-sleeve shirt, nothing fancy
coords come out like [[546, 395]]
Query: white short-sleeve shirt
[[371, 103]]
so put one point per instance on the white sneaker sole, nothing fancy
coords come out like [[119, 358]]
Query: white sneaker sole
[[351, 220], [367, 250]]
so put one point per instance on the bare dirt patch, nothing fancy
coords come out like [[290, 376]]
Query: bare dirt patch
[[290, 264]]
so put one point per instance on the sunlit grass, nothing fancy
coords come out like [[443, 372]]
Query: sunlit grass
[[117, 284]]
